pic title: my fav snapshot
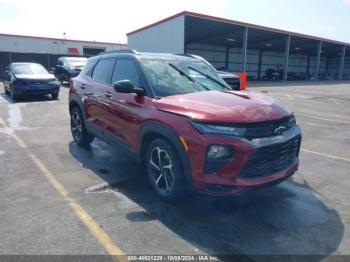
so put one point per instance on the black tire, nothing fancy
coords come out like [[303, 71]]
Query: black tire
[[169, 187], [6, 91], [80, 134], [13, 96], [54, 96], [61, 78]]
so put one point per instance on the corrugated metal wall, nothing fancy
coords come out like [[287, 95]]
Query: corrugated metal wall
[[42, 50], [18, 44], [167, 37], [47, 60]]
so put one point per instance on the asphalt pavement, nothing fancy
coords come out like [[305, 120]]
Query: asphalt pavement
[[59, 199]]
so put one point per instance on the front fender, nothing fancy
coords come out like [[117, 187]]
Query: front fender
[[154, 127]]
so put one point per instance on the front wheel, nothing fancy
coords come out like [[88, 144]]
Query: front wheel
[[80, 134], [165, 170], [61, 78], [13, 96], [54, 96]]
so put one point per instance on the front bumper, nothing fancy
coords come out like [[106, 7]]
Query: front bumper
[[36, 90], [256, 163]]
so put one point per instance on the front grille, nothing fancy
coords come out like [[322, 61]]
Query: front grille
[[269, 128], [271, 159], [38, 82]]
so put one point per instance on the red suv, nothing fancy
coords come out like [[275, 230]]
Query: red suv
[[179, 119]]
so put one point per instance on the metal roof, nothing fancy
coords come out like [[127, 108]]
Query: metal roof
[[61, 39], [238, 23]]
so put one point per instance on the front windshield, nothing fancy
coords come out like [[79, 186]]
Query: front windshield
[[31, 69], [172, 77]]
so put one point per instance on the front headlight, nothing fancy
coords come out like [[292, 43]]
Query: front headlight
[[219, 129], [54, 82]]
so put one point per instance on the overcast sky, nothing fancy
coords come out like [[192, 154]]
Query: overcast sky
[[105, 20]]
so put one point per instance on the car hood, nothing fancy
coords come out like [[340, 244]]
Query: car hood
[[224, 106], [35, 76]]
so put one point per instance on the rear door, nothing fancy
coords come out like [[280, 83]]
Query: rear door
[[123, 118], [94, 90]]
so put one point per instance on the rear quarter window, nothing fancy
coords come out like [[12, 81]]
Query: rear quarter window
[[88, 67], [103, 70]]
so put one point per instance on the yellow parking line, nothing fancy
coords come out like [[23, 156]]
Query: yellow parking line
[[101, 236], [325, 155]]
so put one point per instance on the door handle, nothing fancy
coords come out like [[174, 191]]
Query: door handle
[[83, 86], [108, 95]]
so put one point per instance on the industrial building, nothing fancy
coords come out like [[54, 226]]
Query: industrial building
[[237, 46], [43, 50]]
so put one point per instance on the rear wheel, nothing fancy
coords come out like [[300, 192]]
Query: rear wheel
[[80, 134], [165, 170]]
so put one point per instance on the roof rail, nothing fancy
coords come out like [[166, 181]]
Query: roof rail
[[130, 51]]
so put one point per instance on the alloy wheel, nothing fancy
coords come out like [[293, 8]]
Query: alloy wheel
[[162, 170], [76, 125]]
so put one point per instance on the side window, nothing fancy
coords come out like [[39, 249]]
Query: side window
[[102, 71], [89, 64], [125, 69]]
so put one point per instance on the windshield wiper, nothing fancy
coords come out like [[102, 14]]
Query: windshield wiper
[[187, 76], [209, 77]]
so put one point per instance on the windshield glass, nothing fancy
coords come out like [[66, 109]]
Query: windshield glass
[[172, 77], [32, 69], [76, 61]]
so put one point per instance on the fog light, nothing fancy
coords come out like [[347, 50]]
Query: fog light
[[217, 157], [219, 153]]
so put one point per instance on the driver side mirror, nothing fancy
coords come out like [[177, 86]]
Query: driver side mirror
[[126, 86]]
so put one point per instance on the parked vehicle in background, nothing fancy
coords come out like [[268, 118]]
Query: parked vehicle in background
[[69, 67], [231, 79], [30, 79], [274, 74], [178, 118]]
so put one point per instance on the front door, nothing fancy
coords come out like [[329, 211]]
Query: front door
[[123, 118]]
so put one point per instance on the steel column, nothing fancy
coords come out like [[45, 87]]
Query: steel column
[[342, 62], [259, 66], [286, 63], [48, 62], [308, 67], [318, 60], [244, 49], [227, 57]]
